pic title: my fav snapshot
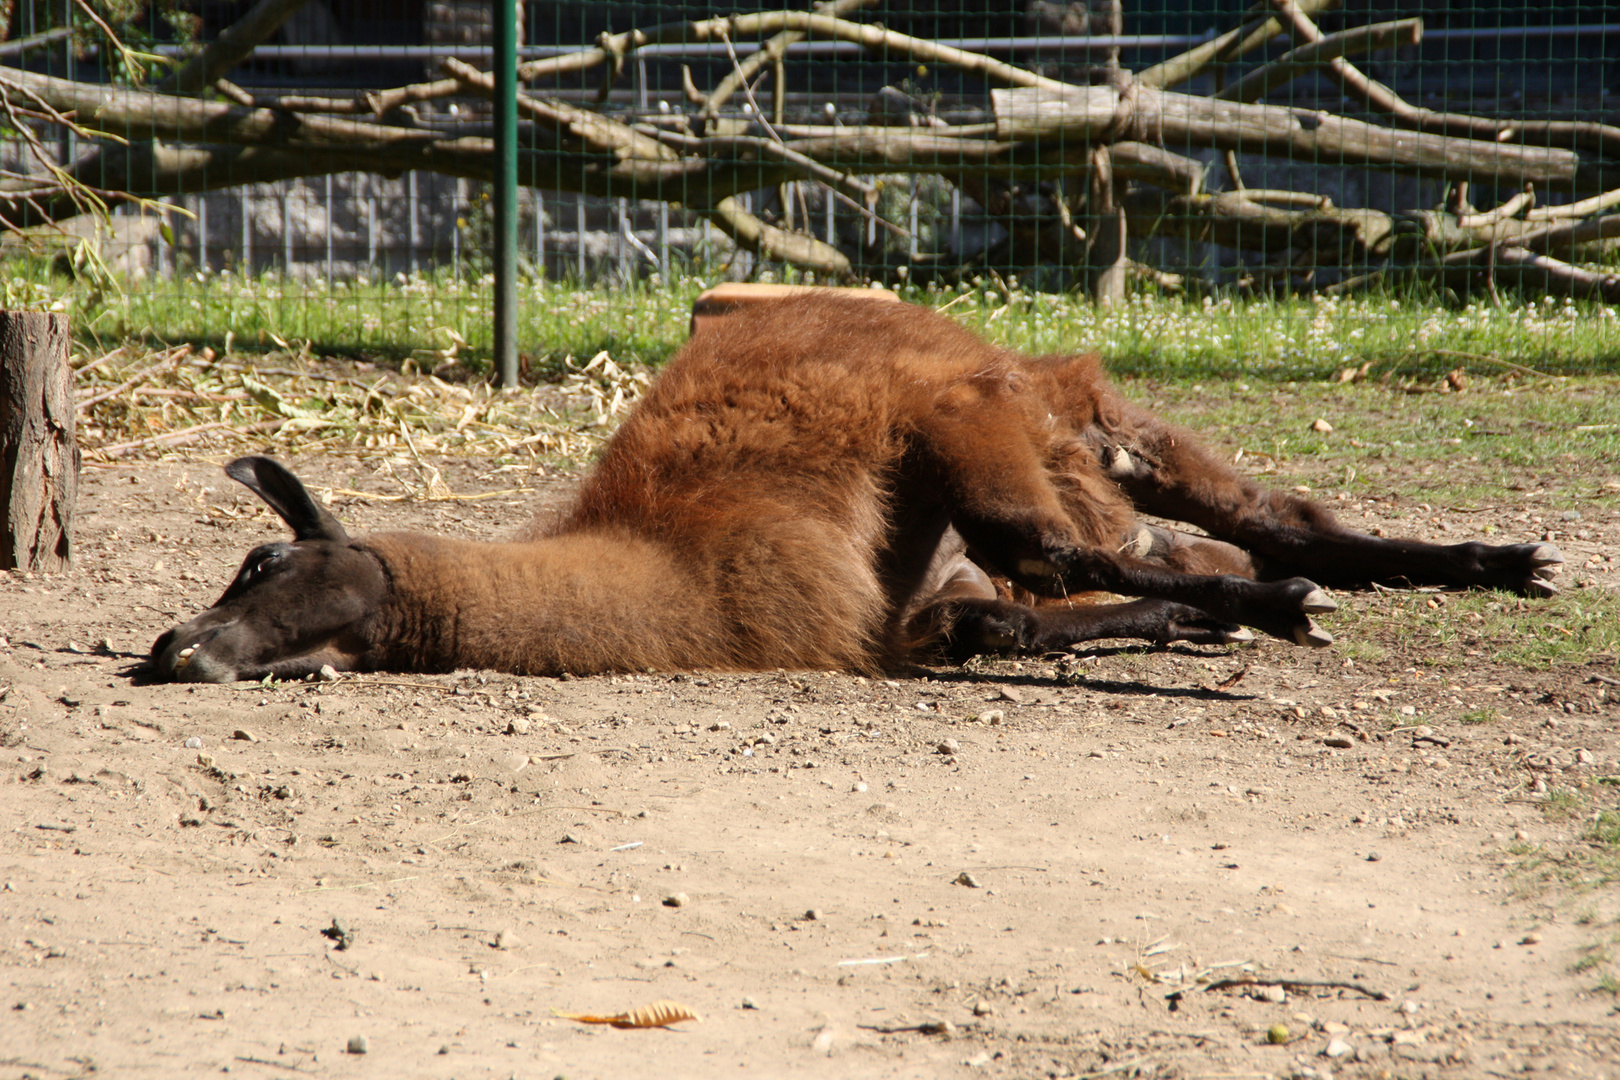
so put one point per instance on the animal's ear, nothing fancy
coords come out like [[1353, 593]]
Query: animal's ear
[[284, 493]]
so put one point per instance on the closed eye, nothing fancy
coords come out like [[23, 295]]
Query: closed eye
[[257, 567]]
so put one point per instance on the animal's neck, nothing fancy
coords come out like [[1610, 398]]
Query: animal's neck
[[578, 603]]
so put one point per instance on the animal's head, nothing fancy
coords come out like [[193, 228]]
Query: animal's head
[[293, 607]]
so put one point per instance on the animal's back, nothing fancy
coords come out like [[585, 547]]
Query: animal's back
[[794, 397], [764, 457]]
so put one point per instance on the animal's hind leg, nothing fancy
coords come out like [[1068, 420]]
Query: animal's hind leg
[[1188, 553], [994, 482], [1164, 471]]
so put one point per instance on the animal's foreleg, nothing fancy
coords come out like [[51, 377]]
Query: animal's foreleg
[[969, 627], [1282, 609]]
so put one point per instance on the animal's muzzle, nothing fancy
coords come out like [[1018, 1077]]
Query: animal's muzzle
[[181, 655]]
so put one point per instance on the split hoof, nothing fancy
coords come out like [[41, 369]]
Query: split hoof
[[1547, 556], [1541, 588], [1239, 636], [1312, 636], [1546, 562], [1318, 602], [1522, 568]]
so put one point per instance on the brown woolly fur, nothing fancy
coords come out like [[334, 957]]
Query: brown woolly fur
[[821, 482]]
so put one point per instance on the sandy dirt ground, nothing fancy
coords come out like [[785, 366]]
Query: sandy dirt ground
[[1123, 863]]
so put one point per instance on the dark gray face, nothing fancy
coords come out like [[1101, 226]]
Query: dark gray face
[[293, 607]]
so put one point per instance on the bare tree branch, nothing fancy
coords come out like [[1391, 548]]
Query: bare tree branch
[[235, 44], [119, 111], [34, 41], [769, 242], [1602, 138], [1307, 58], [1229, 46], [772, 52]]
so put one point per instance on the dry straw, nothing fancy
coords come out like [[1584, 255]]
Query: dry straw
[[150, 402]]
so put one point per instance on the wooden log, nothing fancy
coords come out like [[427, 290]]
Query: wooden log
[[1526, 269], [1100, 114], [39, 455], [716, 303], [1345, 236], [1109, 264], [1350, 236]]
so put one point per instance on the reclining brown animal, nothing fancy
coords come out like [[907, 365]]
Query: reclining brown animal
[[823, 483]]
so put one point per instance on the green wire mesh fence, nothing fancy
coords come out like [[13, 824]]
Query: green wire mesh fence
[[198, 159]]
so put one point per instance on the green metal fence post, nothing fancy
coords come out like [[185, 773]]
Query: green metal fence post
[[506, 215]]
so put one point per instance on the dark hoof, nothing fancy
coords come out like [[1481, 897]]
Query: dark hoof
[[1545, 555], [1284, 610], [1540, 588], [1312, 636], [1317, 602], [1546, 562], [1526, 569]]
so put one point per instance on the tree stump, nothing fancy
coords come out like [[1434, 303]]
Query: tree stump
[[39, 455]]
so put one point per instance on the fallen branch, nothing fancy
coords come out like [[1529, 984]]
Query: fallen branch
[[769, 242], [1521, 201], [115, 110], [1528, 269], [1601, 138], [772, 52], [180, 437], [1229, 46], [168, 362], [600, 134], [1566, 235], [1584, 208], [234, 44], [1325, 49]]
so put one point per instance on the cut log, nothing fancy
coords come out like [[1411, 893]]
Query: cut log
[[1099, 114], [716, 303], [39, 455]]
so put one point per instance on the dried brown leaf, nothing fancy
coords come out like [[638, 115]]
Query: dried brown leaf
[[659, 1014]]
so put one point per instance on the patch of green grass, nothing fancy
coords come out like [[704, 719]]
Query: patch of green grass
[[1481, 715], [1263, 341], [1300, 338], [1587, 863], [1456, 629], [1470, 451], [1570, 628], [388, 319], [1605, 829], [1562, 804], [1609, 984], [1592, 957], [1361, 650]]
